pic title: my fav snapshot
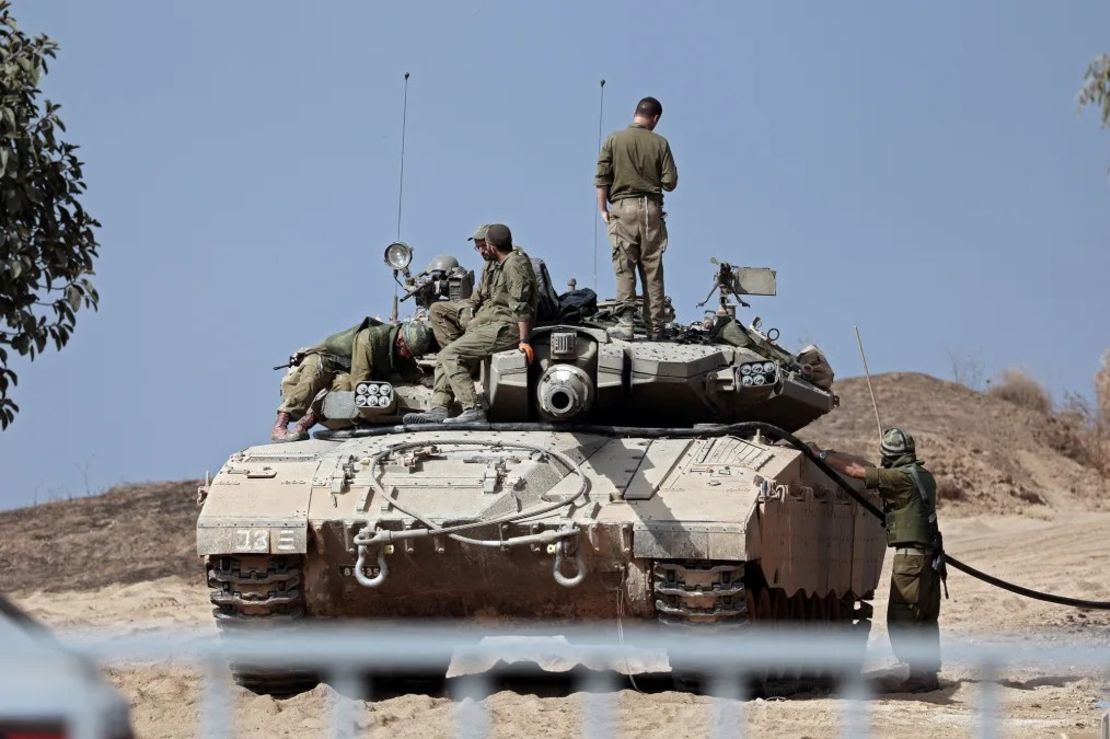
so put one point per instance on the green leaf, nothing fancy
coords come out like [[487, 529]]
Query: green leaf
[[47, 238]]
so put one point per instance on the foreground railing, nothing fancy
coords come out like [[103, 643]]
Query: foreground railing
[[343, 654]]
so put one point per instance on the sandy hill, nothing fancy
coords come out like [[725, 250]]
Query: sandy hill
[[132, 533], [990, 456]]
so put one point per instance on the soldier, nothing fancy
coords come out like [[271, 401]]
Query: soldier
[[634, 167], [369, 351], [504, 317], [909, 495], [450, 317]]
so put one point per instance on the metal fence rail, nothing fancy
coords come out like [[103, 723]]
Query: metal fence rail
[[343, 652]]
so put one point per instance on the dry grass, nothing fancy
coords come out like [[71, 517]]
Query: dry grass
[[1102, 393], [1018, 387], [949, 489]]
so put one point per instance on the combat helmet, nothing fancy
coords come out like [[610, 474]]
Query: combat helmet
[[418, 337], [896, 444], [442, 263]]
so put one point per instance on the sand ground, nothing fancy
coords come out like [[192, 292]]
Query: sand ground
[[1067, 553]]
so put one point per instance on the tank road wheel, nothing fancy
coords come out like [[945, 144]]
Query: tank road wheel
[[252, 593]]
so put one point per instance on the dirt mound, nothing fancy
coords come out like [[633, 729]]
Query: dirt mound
[[132, 533], [989, 455]]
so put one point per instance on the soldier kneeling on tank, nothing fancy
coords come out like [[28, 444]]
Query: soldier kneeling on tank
[[369, 351], [505, 310], [909, 495]]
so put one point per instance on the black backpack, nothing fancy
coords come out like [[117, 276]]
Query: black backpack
[[547, 309], [576, 305]]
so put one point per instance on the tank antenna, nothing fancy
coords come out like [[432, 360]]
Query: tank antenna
[[600, 114], [401, 176], [401, 180], [867, 374]]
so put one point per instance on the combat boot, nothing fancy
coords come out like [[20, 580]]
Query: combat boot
[[299, 432], [475, 415], [623, 329], [278, 432], [435, 414]]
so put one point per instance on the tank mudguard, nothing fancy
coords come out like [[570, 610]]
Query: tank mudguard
[[258, 502]]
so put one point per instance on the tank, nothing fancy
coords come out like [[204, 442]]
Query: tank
[[652, 480]]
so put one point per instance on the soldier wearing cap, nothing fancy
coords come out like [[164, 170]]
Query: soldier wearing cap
[[449, 318], [369, 351], [634, 168], [909, 495], [505, 311]]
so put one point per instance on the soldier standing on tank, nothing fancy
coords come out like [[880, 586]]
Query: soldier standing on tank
[[450, 317], [909, 495], [368, 351], [505, 313], [634, 167]]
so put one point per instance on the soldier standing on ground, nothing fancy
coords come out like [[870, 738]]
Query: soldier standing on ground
[[909, 495], [504, 317], [449, 318], [634, 167], [369, 351]]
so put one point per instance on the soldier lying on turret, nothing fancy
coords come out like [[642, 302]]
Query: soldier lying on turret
[[370, 350]]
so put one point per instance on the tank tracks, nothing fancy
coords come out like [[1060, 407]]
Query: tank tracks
[[699, 594], [711, 595], [252, 593]]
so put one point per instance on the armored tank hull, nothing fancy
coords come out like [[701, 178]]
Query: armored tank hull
[[594, 494]]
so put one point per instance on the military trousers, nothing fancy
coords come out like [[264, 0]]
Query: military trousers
[[638, 234], [449, 319], [303, 383], [457, 361], [913, 610]]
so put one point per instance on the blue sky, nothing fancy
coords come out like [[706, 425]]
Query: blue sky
[[918, 169]]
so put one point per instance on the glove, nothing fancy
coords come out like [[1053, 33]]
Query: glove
[[529, 353]]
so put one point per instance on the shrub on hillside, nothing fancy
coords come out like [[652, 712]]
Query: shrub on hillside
[[949, 489], [1018, 387], [1102, 393]]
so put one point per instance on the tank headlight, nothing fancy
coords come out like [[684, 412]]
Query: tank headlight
[[746, 380], [745, 369], [398, 255], [758, 380], [768, 367]]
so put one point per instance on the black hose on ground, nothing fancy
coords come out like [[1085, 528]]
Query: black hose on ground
[[743, 427]]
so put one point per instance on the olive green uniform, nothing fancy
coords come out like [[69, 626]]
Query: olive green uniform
[[636, 165], [511, 297], [367, 351], [911, 527]]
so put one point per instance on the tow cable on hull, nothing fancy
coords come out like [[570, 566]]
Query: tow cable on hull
[[556, 539], [741, 428]]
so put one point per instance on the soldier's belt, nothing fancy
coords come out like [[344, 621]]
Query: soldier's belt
[[912, 550]]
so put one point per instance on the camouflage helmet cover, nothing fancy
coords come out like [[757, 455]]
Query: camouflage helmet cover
[[418, 337], [896, 443], [442, 263]]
